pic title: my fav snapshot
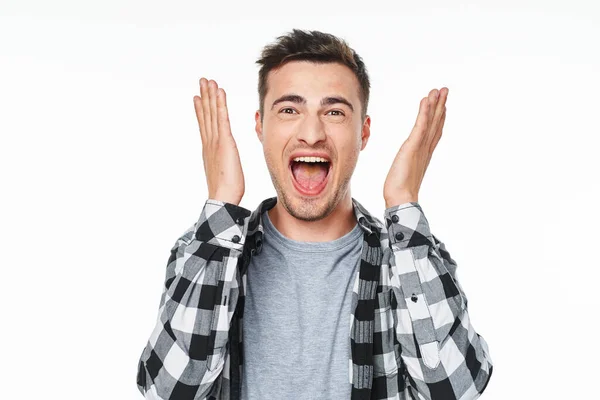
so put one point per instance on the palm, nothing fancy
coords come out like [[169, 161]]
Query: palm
[[406, 174], [222, 166]]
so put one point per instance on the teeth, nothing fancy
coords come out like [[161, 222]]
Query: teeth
[[310, 159]]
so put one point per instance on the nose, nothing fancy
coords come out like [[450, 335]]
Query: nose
[[311, 130]]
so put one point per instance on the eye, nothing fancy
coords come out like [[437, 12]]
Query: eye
[[287, 110], [339, 112]]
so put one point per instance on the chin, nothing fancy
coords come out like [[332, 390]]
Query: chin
[[313, 207], [307, 210]]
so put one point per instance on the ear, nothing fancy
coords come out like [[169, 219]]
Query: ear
[[366, 132], [258, 127]]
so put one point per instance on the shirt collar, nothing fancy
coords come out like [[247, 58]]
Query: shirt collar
[[367, 222]]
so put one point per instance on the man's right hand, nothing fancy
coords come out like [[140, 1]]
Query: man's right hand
[[222, 165]]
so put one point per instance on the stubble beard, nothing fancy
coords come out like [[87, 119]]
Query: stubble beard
[[308, 209]]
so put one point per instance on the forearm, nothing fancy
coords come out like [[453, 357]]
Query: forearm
[[441, 350], [189, 340]]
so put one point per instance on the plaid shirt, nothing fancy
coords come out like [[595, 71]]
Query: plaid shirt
[[410, 332]]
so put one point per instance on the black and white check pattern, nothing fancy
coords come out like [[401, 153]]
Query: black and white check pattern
[[410, 332]]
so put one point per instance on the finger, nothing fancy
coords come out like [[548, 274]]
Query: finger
[[212, 93], [438, 135], [222, 112], [433, 101], [200, 117], [206, 109], [421, 122], [440, 108]]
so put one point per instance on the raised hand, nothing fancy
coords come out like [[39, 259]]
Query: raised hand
[[222, 165], [408, 169]]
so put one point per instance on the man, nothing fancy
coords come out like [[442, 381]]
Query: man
[[309, 296]]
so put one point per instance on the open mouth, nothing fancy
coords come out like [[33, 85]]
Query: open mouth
[[310, 174]]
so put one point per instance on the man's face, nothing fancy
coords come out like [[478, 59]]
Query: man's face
[[312, 109]]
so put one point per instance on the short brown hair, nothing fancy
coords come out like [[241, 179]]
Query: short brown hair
[[312, 46]]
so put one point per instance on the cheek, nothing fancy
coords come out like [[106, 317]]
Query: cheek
[[348, 152], [273, 151], [275, 139]]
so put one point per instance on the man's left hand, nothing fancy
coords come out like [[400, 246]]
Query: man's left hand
[[404, 179]]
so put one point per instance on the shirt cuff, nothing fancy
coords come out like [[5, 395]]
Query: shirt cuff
[[223, 224], [407, 226]]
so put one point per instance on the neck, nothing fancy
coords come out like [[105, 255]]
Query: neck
[[341, 221]]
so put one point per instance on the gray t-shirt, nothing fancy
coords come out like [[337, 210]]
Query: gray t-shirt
[[296, 324]]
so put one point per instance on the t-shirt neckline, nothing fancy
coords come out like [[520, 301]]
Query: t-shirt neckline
[[312, 247]]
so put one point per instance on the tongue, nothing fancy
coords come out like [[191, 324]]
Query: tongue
[[309, 175]]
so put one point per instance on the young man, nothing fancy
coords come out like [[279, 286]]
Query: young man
[[310, 296]]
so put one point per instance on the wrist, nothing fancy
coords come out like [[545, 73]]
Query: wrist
[[396, 201], [226, 198]]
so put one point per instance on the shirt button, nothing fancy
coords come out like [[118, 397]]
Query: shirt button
[[414, 298], [399, 236], [395, 218], [235, 239], [240, 221]]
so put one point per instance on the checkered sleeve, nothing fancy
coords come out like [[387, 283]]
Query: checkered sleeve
[[185, 355], [444, 357]]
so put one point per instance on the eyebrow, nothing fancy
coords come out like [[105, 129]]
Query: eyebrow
[[325, 101]]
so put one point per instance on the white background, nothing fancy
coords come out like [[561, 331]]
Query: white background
[[101, 170]]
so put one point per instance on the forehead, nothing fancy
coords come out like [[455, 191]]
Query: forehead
[[308, 79]]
